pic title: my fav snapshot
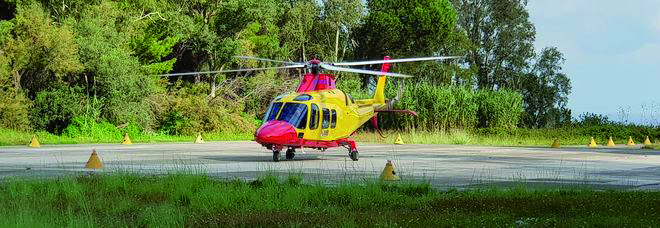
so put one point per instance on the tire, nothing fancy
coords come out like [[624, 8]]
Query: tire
[[290, 153], [354, 155], [276, 156]]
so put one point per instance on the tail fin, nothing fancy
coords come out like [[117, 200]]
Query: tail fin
[[379, 95]]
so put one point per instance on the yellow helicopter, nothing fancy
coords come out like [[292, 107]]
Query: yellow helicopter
[[318, 115]]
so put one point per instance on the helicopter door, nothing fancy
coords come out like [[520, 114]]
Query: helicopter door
[[329, 123], [325, 124]]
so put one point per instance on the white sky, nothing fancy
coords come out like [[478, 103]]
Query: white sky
[[612, 51]]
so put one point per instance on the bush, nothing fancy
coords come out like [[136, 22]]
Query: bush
[[187, 114], [86, 127], [14, 111], [54, 109]]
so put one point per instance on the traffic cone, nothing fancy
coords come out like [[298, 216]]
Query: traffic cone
[[610, 143], [593, 144], [199, 138], [94, 162], [398, 140], [556, 144], [127, 140], [34, 143], [630, 141], [647, 141], [388, 173]]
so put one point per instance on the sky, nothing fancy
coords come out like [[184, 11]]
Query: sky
[[612, 52]]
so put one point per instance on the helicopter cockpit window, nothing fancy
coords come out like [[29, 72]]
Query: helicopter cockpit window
[[326, 118], [295, 114], [272, 111]]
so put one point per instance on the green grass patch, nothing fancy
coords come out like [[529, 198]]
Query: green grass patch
[[489, 137], [128, 200], [11, 137]]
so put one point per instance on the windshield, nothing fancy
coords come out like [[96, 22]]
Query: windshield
[[272, 111], [295, 114]]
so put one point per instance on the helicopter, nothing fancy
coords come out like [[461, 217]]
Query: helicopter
[[318, 115]]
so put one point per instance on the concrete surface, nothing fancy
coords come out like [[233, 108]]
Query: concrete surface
[[445, 166]]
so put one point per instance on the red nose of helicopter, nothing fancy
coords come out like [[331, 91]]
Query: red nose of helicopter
[[276, 132]]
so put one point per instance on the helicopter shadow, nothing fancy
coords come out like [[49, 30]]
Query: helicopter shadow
[[269, 158]]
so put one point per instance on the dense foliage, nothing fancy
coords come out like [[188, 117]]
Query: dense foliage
[[82, 66]]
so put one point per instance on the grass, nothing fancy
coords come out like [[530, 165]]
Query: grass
[[128, 200], [526, 137], [11, 137], [534, 137]]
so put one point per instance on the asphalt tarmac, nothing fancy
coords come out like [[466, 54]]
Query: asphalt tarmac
[[444, 166]]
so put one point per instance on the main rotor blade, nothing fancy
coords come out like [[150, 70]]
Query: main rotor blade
[[334, 68], [396, 60], [267, 60], [239, 70]]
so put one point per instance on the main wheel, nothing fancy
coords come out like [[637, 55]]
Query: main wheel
[[290, 153], [276, 156], [354, 155]]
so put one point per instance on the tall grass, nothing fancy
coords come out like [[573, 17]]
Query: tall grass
[[11, 137], [488, 137], [453, 107], [176, 200]]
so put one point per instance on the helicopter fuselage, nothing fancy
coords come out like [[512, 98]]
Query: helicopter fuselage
[[314, 119]]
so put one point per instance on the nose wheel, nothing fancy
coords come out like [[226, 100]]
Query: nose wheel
[[290, 153], [276, 155]]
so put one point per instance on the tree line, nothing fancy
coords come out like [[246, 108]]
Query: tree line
[[70, 66]]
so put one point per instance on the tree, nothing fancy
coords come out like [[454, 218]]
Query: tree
[[546, 91], [503, 57], [404, 28], [342, 15], [39, 51], [503, 40], [298, 27], [112, 72]]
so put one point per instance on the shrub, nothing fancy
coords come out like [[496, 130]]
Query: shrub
[[187, 114], [14, 111], [54, 109]]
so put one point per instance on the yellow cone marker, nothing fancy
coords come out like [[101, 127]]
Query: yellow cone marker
[[34, 143], [593, 144], [388, 173], [630, 141], [556, 144], [127, 140], [647, 141], [199, 138], [610, 143], [94, 162], [398, 140]]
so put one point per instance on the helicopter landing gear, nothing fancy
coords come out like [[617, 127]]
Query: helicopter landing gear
[[354, 155], [276, 153], [290, 153], [276, 156], [352, 149]]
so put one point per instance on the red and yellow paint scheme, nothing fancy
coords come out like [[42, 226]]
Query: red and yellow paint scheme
[[319, 116]]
